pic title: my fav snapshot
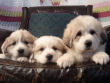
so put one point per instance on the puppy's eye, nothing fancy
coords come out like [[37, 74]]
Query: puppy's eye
[[54, 48], [14, 43], [41, 49], [92, 32], [79, 34], [26, 42]]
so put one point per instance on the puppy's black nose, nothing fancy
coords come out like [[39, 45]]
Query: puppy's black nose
[[49, 57], [88, 43], [21, 51]]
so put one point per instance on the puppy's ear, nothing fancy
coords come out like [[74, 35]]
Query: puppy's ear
[[31, 38], [67, 37], [103, 37], [5, 45], [65, 49]]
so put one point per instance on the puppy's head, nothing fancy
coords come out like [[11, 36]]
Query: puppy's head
[[48, 49], [18, 44], [84, 34]]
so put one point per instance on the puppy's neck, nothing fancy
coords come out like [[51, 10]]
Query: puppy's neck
[[88, 54], [102, 47]]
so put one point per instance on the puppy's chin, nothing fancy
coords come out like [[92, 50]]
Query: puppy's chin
[[88, 51], [45, 61], [49, 62], [84, 49], [24, 55]]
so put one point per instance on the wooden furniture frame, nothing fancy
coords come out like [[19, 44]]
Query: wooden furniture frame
[[27, 12]]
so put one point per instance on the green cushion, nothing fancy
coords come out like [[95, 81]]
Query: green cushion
[[49, 23]]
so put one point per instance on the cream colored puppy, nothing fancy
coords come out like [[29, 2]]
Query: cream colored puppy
[[86, 37], [51, 49], [18, 46]]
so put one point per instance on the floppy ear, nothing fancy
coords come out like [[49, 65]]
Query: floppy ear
[[5, 45], [103, 36], [68, 42], [67, 37], [29, 36], [33, 38]]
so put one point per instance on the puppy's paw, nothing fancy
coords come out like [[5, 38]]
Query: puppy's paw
[[22, 59], [65, 61], [2, 56], [31, 59], [100, 58]]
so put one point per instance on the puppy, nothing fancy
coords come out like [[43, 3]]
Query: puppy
[[51, 49], [86, 37], [18, 46]]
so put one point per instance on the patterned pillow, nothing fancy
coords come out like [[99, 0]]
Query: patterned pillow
[[49, 23]]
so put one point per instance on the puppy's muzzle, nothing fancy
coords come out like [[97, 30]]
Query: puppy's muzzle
[[21, 51], [49, 57], [88, 44]]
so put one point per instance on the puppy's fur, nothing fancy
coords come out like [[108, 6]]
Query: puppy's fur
[[51, 49], [18, 46], [86, 37]]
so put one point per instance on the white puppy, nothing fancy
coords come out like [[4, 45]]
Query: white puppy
[[51, 49], [86, 37], [18, 46]]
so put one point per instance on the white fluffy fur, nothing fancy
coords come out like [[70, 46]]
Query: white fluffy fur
[[23, 40], [47, 43], [2, 56], [68, 59], [85, 24]]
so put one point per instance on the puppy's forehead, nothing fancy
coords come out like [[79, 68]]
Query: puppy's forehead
[[22, 35], [17, 34], [85, 22], [28, 36], [49, 41]]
